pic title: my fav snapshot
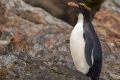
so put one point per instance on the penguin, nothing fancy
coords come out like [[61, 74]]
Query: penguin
[[85, 45]]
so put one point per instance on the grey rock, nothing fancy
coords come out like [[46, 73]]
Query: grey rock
[[111, 5], [111, 67], [37, 47]]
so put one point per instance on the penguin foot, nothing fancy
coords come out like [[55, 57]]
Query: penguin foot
[[95, 78]]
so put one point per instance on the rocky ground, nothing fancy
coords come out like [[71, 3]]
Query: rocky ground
[[35, 45]]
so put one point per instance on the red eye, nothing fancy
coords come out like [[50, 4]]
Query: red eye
[[80, 7]]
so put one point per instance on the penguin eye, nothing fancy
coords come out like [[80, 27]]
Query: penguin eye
[[80, 7]]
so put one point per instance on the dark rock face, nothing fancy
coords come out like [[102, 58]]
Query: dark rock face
[[61, 10], [34, 45]]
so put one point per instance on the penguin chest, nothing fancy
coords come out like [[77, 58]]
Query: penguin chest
[[77, 46]]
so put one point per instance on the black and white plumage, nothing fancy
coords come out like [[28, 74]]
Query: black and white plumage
[[84, 44]]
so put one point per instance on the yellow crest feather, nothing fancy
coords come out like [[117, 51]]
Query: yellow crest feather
[[82, 4]]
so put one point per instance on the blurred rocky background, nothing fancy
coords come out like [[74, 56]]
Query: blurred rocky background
[[107, 25], [61, 10], [34, 45]]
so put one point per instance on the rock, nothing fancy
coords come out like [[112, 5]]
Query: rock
[[111, 5], [111, 66], [107, 22], [33, 68], [61, 10], [107, 27], [36, 45]]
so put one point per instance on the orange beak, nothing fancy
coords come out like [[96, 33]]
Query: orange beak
[[73, 4]]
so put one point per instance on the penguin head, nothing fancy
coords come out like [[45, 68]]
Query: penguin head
[[79, 7]]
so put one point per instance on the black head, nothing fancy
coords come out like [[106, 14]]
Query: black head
[[80, 7]]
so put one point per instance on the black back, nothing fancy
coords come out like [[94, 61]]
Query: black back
[[92, 46]]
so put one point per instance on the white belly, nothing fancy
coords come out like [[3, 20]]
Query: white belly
[[77, 45]]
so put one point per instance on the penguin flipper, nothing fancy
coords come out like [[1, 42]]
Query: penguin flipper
[[88, 50]]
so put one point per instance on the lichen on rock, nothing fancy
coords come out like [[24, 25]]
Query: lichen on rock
[[37, 44]]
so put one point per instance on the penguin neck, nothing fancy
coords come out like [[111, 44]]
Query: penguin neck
[[87, 16], [80, 17], [84, 17]]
